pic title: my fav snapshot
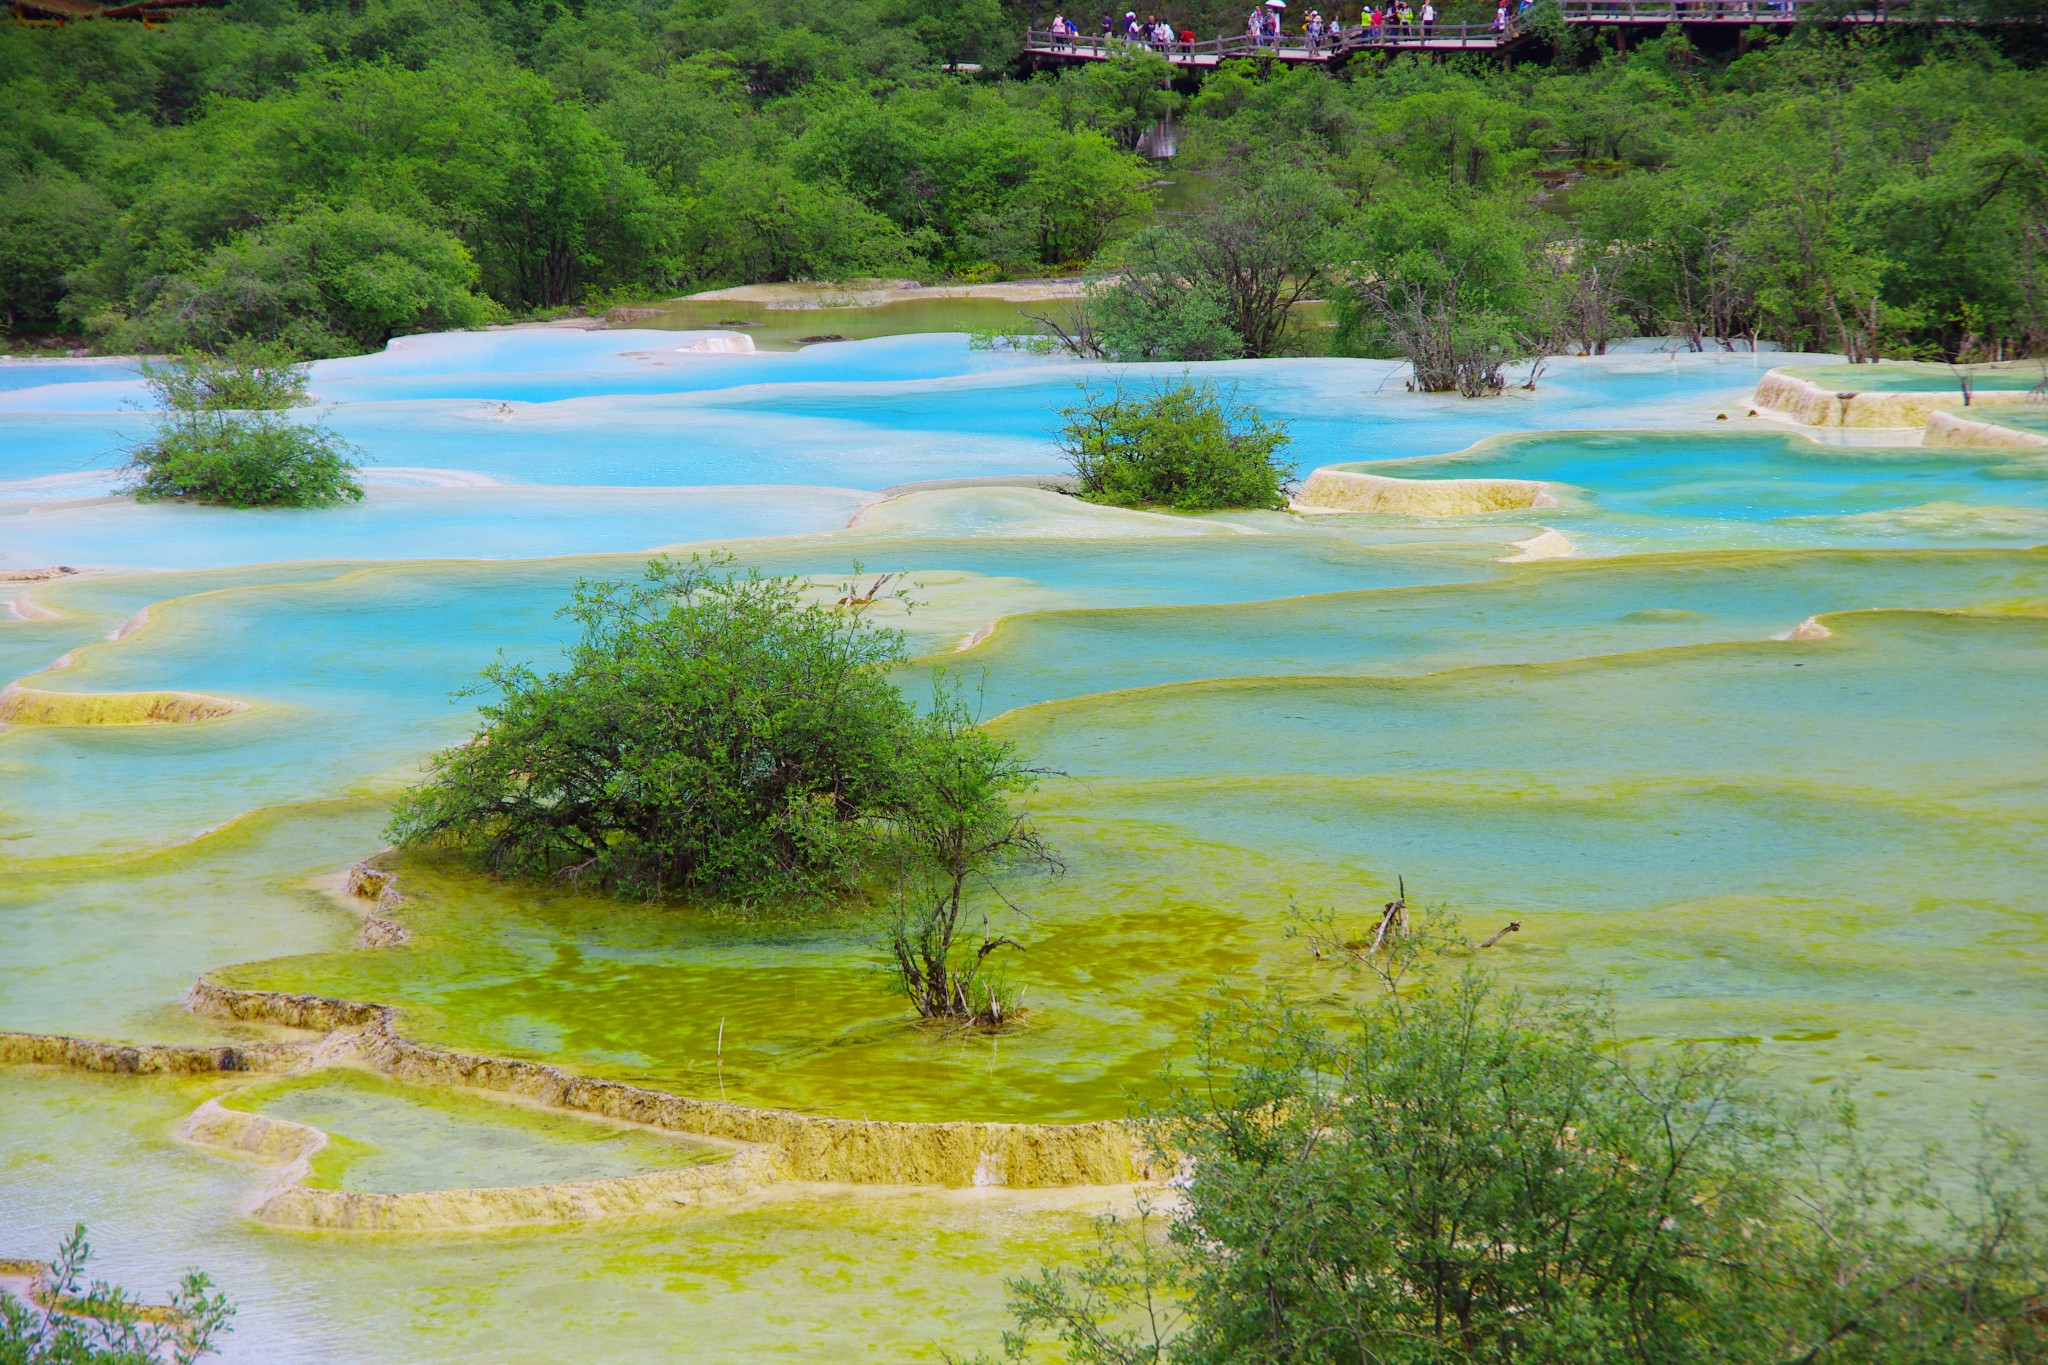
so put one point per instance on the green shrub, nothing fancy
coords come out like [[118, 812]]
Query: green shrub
[[1139, 318], [222, 436], [245, 460], [70, 1321], [1458, 1176], [712, 733], [1189, 446], [325, 282]]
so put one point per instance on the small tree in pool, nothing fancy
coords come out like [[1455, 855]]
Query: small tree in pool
[[720, 734], [1189, 446], [959, 830], [222, 436], [713, 734]]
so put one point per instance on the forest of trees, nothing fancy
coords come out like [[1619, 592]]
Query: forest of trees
[[1864, 196], [328, 175]]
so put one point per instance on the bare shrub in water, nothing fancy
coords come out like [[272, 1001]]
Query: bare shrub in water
[[958, 833], [1458, 1175]]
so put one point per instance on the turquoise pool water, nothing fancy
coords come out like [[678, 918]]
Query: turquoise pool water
[[585, 409], [1762, 757], [1911, 376], [1679, 489]]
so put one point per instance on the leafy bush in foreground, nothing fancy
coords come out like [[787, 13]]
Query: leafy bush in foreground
[[221, 436], [1460, 1176], [1189, 446], [712, 733], [72, 1322]]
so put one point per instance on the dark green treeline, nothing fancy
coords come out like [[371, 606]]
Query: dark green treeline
[[330, 175]]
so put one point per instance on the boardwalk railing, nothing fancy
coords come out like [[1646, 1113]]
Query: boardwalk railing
[[1294, 47], [1291, 47], [1715, 11], [1205, 51]]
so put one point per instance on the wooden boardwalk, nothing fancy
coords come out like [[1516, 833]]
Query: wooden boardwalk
[[1042, 48]]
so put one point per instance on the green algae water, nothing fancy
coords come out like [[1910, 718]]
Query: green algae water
[[776, 329], [1758, 752], [837, 1277], [395, 1139]]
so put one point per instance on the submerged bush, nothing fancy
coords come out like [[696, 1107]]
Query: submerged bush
[[712, 733], [1459, 1175], [222, 436], [1189, 446]]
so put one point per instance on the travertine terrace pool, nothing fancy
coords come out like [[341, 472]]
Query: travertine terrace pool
[[1744, 719]]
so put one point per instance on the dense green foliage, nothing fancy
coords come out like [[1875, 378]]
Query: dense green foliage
[[1460, 1176], [222, 436], [1189, 446], [75, 1322], [330, 176], [712, 733], [321, 281], [1873, 197], [1870, 195]]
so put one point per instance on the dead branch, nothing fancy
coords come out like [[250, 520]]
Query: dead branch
[[1513, 927], [1394, 917], [856, 598]]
